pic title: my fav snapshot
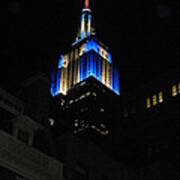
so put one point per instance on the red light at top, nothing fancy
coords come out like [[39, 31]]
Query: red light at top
[[86, 4]]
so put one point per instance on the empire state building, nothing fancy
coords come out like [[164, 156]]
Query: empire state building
[[87, 58], [85, 84]]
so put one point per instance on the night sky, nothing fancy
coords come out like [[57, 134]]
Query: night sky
[[143, 37]]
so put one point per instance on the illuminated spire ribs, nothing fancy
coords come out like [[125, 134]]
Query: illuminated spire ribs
[[86, 22], [90, 62]]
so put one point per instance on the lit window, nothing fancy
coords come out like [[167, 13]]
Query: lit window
[[103, 126], [88, 93], [102, 109], [154, 99], [174, 90], [51, 121], [148, 103], [106, 132], [81, 97], [76, 124], [161, 97], [179, 88], [71, 101], [93, 127]]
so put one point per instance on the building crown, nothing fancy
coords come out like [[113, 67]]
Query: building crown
[[87, 58]]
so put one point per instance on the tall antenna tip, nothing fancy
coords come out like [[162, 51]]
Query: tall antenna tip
[[86, 4]]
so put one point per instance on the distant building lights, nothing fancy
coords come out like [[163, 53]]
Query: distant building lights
[[174, 90], [103, 126], [102, 109], [148, 103], [76, 124], [51, 121], [154, 100], [88, 93], [71, 101], [160, 95]]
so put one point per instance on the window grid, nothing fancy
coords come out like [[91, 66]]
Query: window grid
[[159, 98]]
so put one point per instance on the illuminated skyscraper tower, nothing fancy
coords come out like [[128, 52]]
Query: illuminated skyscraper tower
[[89, 60]]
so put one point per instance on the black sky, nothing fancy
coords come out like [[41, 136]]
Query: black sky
[[142, 35]]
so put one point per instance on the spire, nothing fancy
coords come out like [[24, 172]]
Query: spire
[[86, 28], [86, 4], [86, 21]]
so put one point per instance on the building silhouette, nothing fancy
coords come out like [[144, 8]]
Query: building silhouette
[[76, 126], [84, 78], [20, 158]]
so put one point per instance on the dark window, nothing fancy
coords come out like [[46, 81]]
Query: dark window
[[5, 120], [7, 102], [105, 178], [17, 108], [78, 176], [79, 173], [65, 172], [20, 178], [6, 174], [23, 136]]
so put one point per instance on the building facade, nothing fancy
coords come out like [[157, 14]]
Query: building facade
[[19, 159], [84, 77]]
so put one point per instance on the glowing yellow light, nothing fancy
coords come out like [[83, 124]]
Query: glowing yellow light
[[148, 103], [81, 51], [161, 97], [174, 90], [154, 100], [108, 79], [179, 88], [103, 72]]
